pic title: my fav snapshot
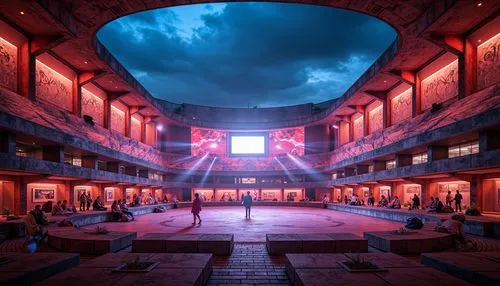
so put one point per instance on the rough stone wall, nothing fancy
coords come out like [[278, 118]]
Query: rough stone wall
[[135, 129], [357, 128], [488, 62], [401, 107], [117, 120]]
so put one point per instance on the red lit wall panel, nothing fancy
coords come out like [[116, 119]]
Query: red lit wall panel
[[8, 64], [357, 128], [440, 86], [284, 141], [136, 128], [488, 62], [117, 119], [375, 118], [210, 141], [53, 87], [401, 106], [93, 105]]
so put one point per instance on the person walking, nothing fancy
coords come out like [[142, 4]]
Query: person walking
[[247, 202], [416, 202], [196, 208], [458, 201]]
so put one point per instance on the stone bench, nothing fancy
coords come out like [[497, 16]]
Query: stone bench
[[414, 242], [173, 269], [69, 239], [218, 244], [279, 244], [323, 269], [479, 268], [30, 268]]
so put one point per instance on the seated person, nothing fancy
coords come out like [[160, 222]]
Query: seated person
[[383, 202], [354, 200], [439, 205], [136, 201], [396, 203], [116, 211], [165, 199], [371, 200], [432, 205], [32, 228], [66, 208], [149, 201], [58, 210], [454, 226], [40, 217], [326, 201], [346, 201], [124, 209], [47, 207], [97, 205]]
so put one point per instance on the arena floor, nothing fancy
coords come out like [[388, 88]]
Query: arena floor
[[264, 220]]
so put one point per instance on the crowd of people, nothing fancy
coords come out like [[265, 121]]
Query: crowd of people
[[435, 205]]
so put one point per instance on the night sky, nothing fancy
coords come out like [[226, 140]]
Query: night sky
[[247, 54]]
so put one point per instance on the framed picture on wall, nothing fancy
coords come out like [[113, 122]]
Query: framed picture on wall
[[41, 195], [110, 195]]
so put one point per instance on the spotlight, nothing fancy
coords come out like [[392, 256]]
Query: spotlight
[[21, 12], [479, 41], [214, 145], [85, 62], [479, 4], [335, 126], [159, 127], [278, 147]]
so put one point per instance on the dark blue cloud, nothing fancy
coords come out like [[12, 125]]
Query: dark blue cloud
[[246, 54]]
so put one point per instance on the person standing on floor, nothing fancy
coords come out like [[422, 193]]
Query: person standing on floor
[[247, 202], [458, 201], [196, 208], [449, 199], [83, 201], [89, 200]]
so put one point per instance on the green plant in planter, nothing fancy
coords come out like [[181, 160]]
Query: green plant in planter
[[136, 264], [473, 210], [6, 211], [101, 230], [358, 262]]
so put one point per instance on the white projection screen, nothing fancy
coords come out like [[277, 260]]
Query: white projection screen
[[248, 144]]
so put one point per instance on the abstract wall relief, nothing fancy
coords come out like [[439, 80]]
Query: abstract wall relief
[[357, 128], [117, 120], [440, 86], [135, 129], [284, 141], [93, 105], [375, 119], [488, 62], [8, 65], [401, 107], [210, 141], [53, 87]]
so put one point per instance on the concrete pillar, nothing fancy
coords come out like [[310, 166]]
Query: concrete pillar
[[489, 140], [27, 77], [386, 119], [128, 122], [403, 160], [461, 76], [113, 167], [282, 194], [416, 96], [476, 191], [8, 143], [424, 194], [21, 196], [107, 114], [77, 97], [435, 152], [53, 153], [89, 162], [470, 75]]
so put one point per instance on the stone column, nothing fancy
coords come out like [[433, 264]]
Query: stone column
[[8, 143]]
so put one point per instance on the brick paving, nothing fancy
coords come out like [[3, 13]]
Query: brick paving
[[250, 264]]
